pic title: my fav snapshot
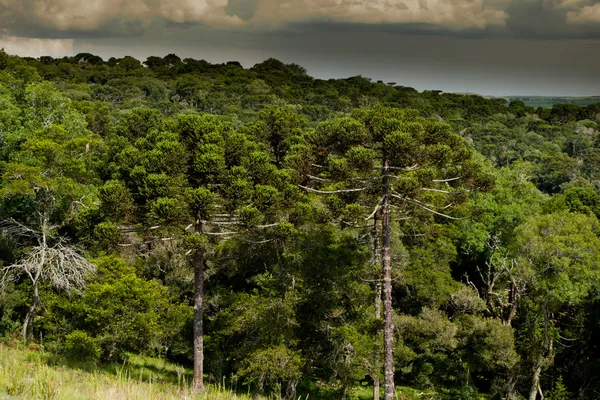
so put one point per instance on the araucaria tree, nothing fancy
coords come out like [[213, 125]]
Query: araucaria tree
[[227, 186], [390, 165]]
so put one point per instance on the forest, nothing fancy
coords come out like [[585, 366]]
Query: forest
[[294, 236]]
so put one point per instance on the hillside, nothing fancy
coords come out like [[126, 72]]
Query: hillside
[[35, 374], [287, 236]]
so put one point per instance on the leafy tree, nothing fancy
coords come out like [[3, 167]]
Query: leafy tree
[[124, 312], [556, 256]]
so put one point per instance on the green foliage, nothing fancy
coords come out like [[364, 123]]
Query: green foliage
[[123, 312], [186, 164], [559, 391], [116, 201], [80, 346], [271, 368], [107, 235], [558, 253]]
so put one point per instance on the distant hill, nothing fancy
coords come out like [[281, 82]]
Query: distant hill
[[549, 101]]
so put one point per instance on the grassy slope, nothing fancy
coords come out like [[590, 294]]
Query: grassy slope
[[26, 374], [33, 374]]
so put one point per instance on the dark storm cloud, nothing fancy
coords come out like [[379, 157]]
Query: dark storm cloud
[[244, 9], [485, 46], [466, 18], [327, 27], [550, 19]]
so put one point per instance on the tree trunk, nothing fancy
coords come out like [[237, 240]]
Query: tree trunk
[[35, 279], [378, 286], [388, 330], [535, 381], [511, 393], [198, 383], [31, 312]]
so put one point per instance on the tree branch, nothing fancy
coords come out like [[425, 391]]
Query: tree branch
[[418, 203], [335, 191], [447, 180], [377, 207], [408, 169]]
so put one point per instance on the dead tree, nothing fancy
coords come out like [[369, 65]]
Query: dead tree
[[50, 259]]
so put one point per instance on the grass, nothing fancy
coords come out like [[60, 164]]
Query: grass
[[35, 374], [30, 374]]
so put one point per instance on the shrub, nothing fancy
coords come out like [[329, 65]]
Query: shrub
[[79, 346]]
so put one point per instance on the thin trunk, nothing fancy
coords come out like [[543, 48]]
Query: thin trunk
[[511, 393], [31, 312], [388, 330], [35, 283], [378, 286], [535, 381], [542, 361], [198, 383], [514, 303]]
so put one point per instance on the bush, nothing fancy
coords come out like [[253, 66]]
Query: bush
[[273, 368], [79, 346], [107, 235]]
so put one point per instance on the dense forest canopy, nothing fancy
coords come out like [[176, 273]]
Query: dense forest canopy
[[235, 220]]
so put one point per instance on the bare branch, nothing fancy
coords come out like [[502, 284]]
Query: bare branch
[[267, 226], [423, 206], [66, 268], [422, 203], [447, 180], [377, 207], [129, 229], [61, 265], [335, 191], [14, 229], [219, 233], [316, 178], [408, 169], [220, 222], [259, 242], [437, 190]]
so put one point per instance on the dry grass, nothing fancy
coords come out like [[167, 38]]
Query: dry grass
[[25, 374]]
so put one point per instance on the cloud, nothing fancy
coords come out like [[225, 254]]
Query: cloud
[[242, 8], [93, 19], [89, 14], [121, 16], [35, 47], [212, 12], [72, 15], [570, 4], [453, 14], [128, 15], [587, 14]]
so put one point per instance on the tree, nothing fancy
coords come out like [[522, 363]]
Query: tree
[[50, 260], [126, 313], [225, 187], [394, 156], [557, 255], [45, 184]]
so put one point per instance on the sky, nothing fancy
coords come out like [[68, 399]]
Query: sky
[[492, 47]]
